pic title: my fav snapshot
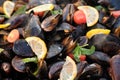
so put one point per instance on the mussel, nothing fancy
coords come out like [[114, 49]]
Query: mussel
[[68, 13], [33, 27], [55, 69], [50, 22], [17, 21], [109, 44], [22, 48], [114, 67]]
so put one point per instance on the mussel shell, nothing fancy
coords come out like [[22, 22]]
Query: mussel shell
[[109, 44], [22, 48], [18, 64], [114, 64], [17, 21], [83, 40], [55, 69], [80, 67], [100, 58], [116, 27], [68, 13], [33, 27], [91, 71], [49, 23], [65, 26], [54, 50], [3, 38]]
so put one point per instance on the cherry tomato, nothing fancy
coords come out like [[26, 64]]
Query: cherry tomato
[[13, 36], [79, 17], [39, 13], [115, 13], [82, 57]]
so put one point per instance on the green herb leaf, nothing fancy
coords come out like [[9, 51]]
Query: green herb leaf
[[54, 12], [27, 60], [88, 51], [21, 10], [80, 50]]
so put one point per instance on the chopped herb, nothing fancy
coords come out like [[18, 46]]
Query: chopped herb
[[80, 50], [54, 12]]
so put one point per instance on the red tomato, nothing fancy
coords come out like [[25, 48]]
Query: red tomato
[[71, 55], [13, 36], [115, 13], [39, 13], [82, 57], [79, 17]]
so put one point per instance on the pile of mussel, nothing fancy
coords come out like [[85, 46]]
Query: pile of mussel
[[61, 35]]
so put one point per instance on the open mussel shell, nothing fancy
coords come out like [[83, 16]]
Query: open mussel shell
[[33, 27], [83, 40], [3, 37], [18, 64], [22, 48], [80, 67], [68, 13], [55, 69], [92, 72], [49, 23], [65, 27], [54, 50], [109, 44]]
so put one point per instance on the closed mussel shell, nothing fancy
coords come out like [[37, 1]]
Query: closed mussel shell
[[22, 48]]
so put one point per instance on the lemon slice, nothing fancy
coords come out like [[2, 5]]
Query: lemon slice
[[8, 8], [4, 25], [41, 8], [93, 32], [38, 46], [91, 14], [69, 70]]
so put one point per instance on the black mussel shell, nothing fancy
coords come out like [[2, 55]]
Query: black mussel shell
[[68, 13], [80, 67], [18, 64], [83, 40], [22, 48], [17, 21], [65, 27], [100, 58], [54, 50], [91, 71], [3, 38], [114, 67], [109, 44], [49, 23], [55, 69], [33, 28]]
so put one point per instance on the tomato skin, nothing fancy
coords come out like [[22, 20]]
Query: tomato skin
[[82, 57], [39, 13], [79, 17], [71, 55], [116, 14]]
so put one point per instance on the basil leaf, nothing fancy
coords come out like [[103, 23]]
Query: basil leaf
[[21, 10], [88, 51]]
